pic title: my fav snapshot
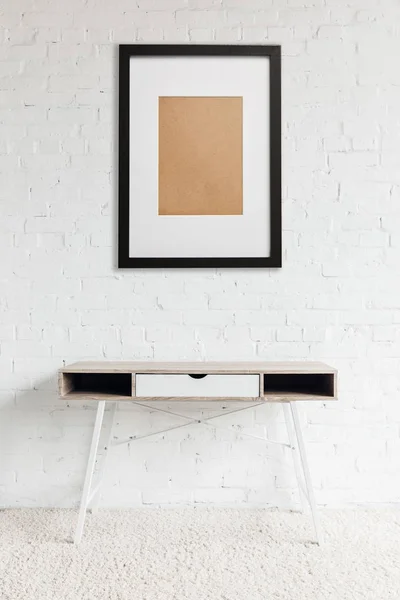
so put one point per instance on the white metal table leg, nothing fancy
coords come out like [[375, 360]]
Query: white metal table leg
[[89, 470], [295, 454], [306, 471], [97, 495]]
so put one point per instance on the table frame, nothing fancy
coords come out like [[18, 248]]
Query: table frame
[[91, 494], [320, 385]]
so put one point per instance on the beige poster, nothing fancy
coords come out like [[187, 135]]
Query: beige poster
[[200, 156]]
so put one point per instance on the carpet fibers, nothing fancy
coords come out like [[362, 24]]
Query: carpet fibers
[[199, 554]]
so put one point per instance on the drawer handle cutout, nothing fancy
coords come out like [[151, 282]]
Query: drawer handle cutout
[[198, 375]]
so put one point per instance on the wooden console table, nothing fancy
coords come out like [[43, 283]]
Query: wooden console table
[[254, 383]]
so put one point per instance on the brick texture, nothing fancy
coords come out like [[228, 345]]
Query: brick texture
[[337, 297]]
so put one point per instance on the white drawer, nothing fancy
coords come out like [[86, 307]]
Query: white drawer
[[186, 386]]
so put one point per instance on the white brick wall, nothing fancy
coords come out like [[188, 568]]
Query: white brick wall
[[337, 297]]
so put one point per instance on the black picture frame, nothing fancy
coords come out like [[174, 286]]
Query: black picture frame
[[271, 53]]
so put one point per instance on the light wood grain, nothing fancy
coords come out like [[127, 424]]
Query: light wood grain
[[196, 399], [292, 396], [65, 383], [197, 367], [260, 368], [95, 396]]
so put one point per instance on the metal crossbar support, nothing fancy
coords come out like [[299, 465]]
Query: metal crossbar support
[[192, 421], [296, 444]]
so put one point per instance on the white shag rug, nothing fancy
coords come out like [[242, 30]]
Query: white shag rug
[[199, 554]]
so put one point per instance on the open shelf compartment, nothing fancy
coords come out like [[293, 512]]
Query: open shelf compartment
[[309, 385], [96, 384]]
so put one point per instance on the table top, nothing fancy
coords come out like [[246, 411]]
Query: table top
[[292, 367]]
